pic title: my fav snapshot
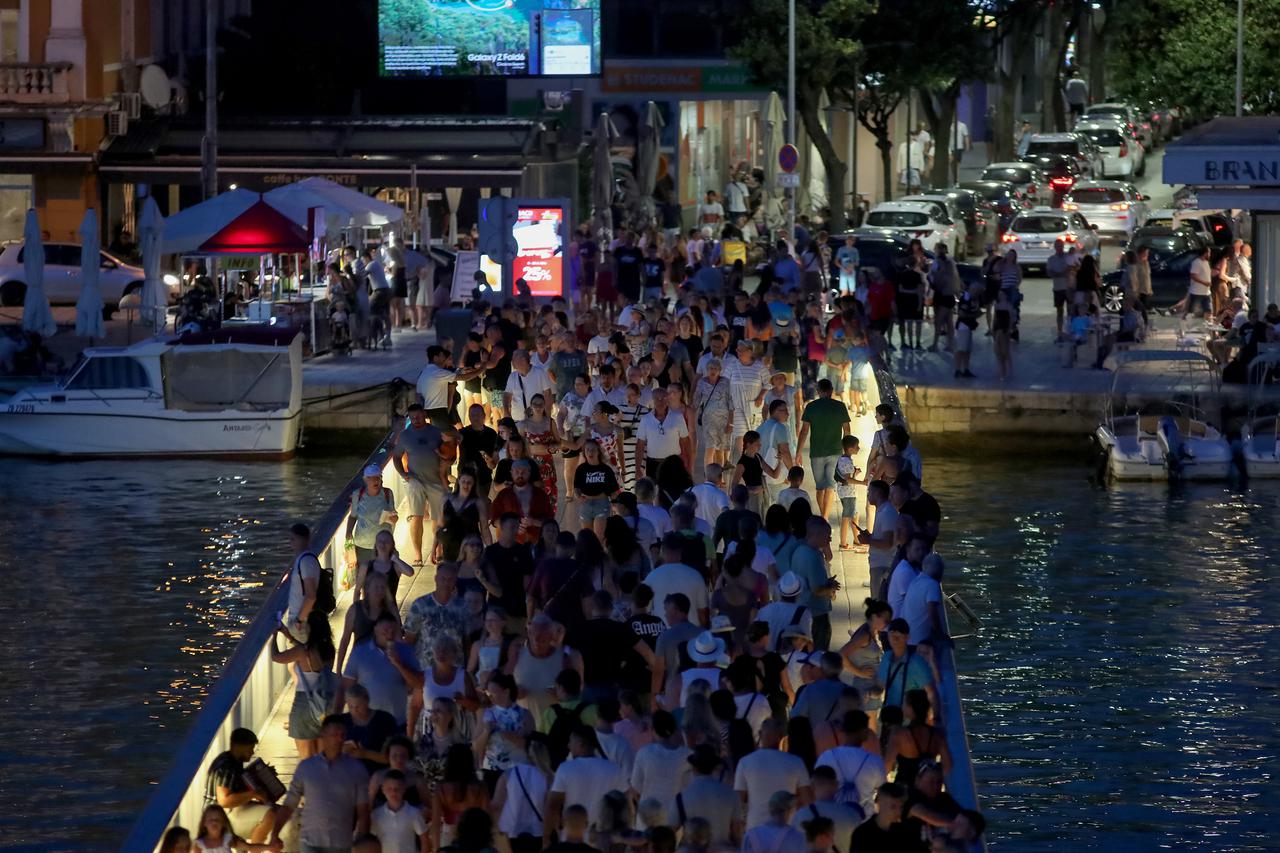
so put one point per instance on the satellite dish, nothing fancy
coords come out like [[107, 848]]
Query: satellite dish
[[154, 86]]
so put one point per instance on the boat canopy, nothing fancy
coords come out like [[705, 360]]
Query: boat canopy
[[220, 377]]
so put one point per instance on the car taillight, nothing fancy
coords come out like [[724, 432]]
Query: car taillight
[[1068, 238], [1121, 205], [1031, 189], [1124, 150], [1217, 226], [1009, 238], [1061, 182]]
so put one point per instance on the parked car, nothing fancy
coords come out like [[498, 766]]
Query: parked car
[[1128, 113], [62, 276], [1114, 207], [1029, 180], [1033, 234], [1163, 242], [1215, 226], [927, 221], [1045, 146], [982, 222], [1004, 198], [952, 211], [1122, 154], [1169, 279]]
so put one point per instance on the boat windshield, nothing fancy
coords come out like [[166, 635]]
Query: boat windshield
[[106, 373], [1162, 386]]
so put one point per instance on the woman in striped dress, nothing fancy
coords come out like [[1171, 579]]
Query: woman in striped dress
[[629, 415]]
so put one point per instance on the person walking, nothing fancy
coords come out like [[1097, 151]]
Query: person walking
[[829, 421]]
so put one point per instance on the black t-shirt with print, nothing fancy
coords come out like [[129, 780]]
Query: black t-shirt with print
[[595, 481]]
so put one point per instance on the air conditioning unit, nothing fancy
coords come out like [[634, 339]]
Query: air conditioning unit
[[117, 123], [131, 104]]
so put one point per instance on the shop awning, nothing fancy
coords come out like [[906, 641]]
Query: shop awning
[[260, 230], [432, 151]]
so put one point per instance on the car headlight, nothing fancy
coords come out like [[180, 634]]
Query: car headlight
[[171, 280]]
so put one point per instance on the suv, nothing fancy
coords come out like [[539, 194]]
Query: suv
[[981, 221], [1001, 195], [1169, 277], [1129, 115], [1028, 180], [1113, 206], [1215, 227], [926, 221], [1033, 234], [1122, 154], [951, 208], [1043, 147], [62, 276]]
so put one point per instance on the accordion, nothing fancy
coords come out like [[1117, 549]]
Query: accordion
[[263, 780]]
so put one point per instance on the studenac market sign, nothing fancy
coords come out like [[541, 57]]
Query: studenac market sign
[[624, 77]]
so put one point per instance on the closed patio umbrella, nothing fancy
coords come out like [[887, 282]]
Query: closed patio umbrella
[[648, 156], [602, 178], [155, 300], [37, 316], [89, 305]]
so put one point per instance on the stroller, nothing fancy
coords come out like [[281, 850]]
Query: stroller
[[340, 338]]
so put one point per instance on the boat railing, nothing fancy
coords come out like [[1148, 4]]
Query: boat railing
[[251, 684]]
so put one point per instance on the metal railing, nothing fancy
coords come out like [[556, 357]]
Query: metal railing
[[250, 685], [34, 82]]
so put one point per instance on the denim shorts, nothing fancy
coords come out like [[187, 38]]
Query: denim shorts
[[593, 508], [848, 507], [824, 471]]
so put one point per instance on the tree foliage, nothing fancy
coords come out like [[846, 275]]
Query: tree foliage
[[1183, 52], [826, 50]]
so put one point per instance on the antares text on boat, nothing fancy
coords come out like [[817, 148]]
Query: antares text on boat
[[229, 392]]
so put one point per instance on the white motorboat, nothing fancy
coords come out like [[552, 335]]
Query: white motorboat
[[1260, 433], [230, 392], [1152, 427]]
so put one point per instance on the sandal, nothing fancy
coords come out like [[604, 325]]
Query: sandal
[[844, 546]]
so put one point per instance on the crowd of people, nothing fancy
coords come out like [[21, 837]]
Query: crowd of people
[[629, 642]]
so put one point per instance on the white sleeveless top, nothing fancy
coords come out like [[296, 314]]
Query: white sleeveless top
[[432, 691]]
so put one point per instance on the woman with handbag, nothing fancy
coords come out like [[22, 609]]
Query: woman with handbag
[[714, 408], [316, 684]]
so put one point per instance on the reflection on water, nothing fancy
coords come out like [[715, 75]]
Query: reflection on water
[[1122, 692], [126, 586]]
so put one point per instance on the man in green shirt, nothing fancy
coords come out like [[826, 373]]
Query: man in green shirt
[[828, 418]]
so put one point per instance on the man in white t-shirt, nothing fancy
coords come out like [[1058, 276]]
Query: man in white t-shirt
[[583, 780], [649, 509], [660, 433], [525, 382], [907, 570], [858, 771], [662, 768], [763, 773], [399, 826], [710, 499], [922, 606], [1199, 287], [711, 213], [304, 582], [675, 576], [880, 536], [735, 197]]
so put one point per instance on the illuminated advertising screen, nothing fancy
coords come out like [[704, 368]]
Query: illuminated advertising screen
[[488, 38], [539, 256]]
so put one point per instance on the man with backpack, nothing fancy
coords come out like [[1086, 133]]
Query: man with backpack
[[567, 715], [304, 585]]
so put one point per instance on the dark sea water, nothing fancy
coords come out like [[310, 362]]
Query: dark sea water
[[126, 586], [1121, 694]]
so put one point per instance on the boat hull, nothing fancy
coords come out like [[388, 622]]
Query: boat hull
[[164, 433], [1142, 457]]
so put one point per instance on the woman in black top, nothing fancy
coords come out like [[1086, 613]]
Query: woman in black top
[[594, 482], [689, 333], [750, 471]]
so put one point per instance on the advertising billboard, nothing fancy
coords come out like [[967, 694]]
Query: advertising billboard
[[488, 38], [539, 257]]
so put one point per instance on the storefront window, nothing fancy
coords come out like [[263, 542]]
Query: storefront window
[[15, 200]]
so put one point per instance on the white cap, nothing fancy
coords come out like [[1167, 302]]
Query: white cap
[[789, 584]]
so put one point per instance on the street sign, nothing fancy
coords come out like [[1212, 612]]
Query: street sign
[[788, 158], [788, 181]]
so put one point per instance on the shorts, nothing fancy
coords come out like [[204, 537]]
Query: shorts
[[824, 471], [593, 508], [442, 418], [495, 397], [943, 300], [413, 292], [653, 294], [245, 819], [881, 324], [1203, 302], [848, 507], [413, 497], [302, 722], [1059, 298], [848, 282], [400, 284]]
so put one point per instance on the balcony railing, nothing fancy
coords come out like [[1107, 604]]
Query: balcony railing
[[34, 82]]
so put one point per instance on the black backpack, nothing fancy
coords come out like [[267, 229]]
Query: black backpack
[[326, 600], [566, 720]]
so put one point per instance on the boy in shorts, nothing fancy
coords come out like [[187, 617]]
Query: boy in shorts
[[846, 477]]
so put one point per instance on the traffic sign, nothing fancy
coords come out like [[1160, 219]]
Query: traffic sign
[[786, 180], [788, 158]]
